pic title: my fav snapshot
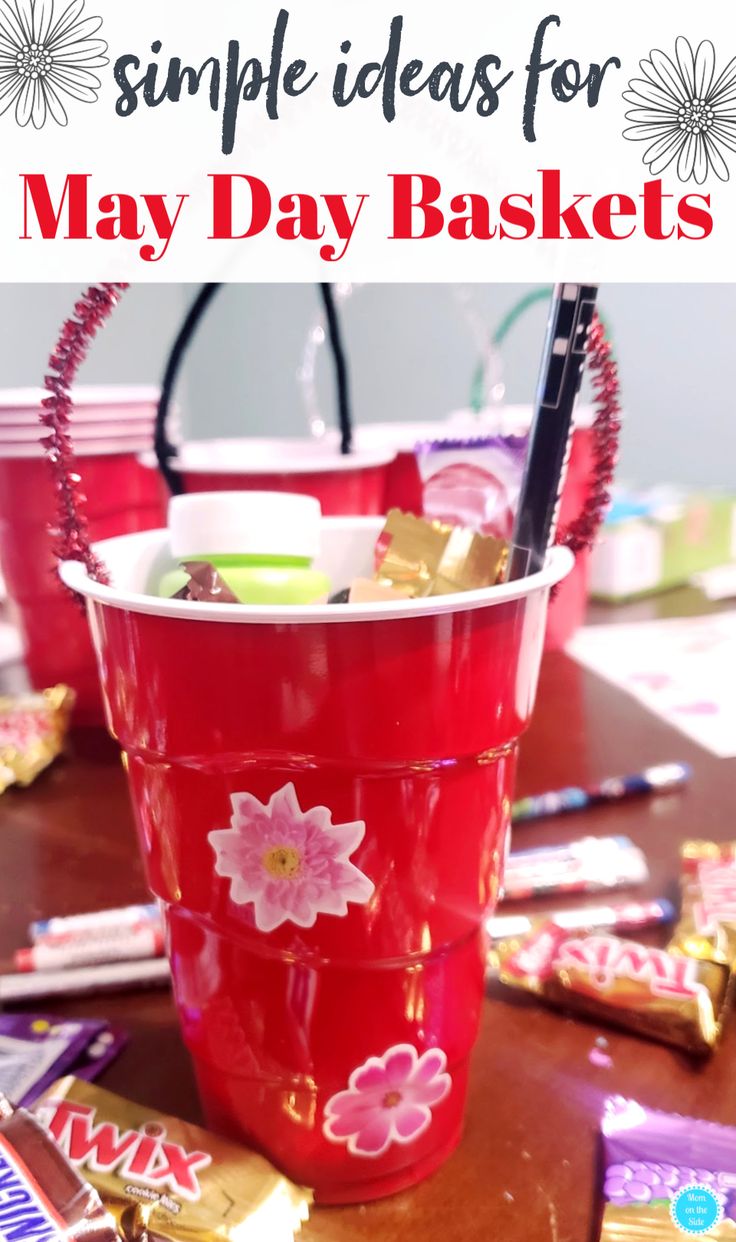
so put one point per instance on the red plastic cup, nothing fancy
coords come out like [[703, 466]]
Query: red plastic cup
[[323, 798], [122, 497], [349, 485]]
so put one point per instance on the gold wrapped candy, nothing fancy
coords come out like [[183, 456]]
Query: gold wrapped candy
[[163, 1180], [707, 926], [33, 729], [655, 993], [423, 558]]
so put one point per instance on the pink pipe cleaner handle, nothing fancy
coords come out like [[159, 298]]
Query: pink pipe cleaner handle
[[581, 533], [71, 535]]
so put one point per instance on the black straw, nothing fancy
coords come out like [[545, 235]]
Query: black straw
[[164, 449], [334, 333], [563, 361]]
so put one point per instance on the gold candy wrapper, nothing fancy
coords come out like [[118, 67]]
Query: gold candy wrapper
[[162, 1179], [661, 995], [426, 558], [33, 729], [707, 927]]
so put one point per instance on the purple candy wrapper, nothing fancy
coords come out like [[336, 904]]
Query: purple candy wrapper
[[651, 1158], [38, 1048], [473, 483], [101, 1052]]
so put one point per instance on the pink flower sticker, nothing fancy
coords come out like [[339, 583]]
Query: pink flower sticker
[[653, 681], [704, 708], [389, 1100], [290, 864]]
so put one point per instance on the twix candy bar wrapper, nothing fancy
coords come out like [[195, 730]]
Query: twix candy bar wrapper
[[663, 1173], [652, 992], [33, 729], [161, 1178], [707, 927], [424, 558]]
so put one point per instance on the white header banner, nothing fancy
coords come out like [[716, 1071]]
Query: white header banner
[[339, 140]]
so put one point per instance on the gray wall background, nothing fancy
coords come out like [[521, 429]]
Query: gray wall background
[[412, 356]]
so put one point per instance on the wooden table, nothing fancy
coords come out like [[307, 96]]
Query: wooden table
[[525, 1171]]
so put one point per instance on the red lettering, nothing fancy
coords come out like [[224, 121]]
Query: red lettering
[[697, 217], [536, 956], [653, 211], [606, 958], [177, 1169], [304, 223], [142, 1158], [102, 1146], [517, 217], [222, 206], [63, 1113], [73, 198], [553, 215], [124, 223], [344, 223], [477, 220], [604, 214], [150, 1160], [405, 205]]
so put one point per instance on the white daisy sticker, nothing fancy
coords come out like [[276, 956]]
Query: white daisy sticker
[[47, 56], [685, 111], [291, 865]]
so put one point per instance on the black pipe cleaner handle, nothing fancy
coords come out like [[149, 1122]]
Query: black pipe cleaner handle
[[165, 451], [163, 447], [342, 381]]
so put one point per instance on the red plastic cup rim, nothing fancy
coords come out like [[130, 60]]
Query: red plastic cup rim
[[85, 448], [258, 456], [33, 433], [119, 414], [348, 544], [98, 402]]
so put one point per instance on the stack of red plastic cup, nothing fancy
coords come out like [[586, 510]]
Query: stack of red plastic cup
[[112, 425]]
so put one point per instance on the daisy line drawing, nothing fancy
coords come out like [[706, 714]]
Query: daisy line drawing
[[44, 58], [291, 865], [684, 112]]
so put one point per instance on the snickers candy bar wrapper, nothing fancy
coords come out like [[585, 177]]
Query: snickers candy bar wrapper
[[161, 1178], [42, 1197], [652, 992], [658, 1169], [707, 927]]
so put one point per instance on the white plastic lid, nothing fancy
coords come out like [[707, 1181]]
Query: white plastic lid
[[244, 524]]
